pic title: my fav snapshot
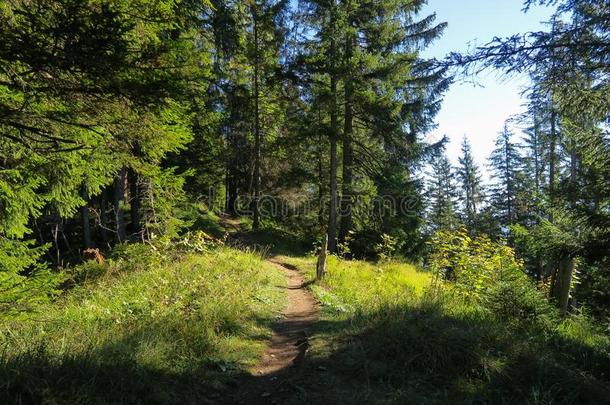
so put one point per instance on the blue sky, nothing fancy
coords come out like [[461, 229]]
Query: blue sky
[[479, 111]]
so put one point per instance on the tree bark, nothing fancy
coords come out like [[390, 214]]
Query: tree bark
[[103, 215], [231, 187], [348, 153], [507, 174], [332, 214], [257, 130], [135, 202], [85, 218], [564, 281], [552, 157], [119, 194], [321, 264], [321, 182], [551, 271]]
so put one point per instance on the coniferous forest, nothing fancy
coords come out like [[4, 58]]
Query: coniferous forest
[[207, 201]]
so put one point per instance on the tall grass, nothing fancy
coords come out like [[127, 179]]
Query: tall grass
[[362, 287], [148, 326], [384, 337]]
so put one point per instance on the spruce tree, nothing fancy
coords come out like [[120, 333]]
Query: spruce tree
[[470, 186], [389, 93], [504, 164], [317, 70], [442, 195]]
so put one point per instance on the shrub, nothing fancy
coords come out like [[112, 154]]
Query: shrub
[[487, 273], [371, 244], [25, 283]]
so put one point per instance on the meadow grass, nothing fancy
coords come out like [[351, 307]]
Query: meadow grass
[[384, 337], [148, 327], [358, 287]]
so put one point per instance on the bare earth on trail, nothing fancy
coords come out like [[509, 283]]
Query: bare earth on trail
[[271, 381]]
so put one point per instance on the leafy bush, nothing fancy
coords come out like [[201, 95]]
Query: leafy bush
[[487, 273]]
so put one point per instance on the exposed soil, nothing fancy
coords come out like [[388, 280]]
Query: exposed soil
[[272, 380]]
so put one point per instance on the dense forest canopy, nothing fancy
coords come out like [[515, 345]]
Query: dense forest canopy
[[310, 116]]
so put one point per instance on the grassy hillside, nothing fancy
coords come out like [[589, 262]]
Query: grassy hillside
[[167, 325], [149, 326], [384, 338]]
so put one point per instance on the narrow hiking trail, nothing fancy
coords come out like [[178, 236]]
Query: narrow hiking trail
[[271, 380]]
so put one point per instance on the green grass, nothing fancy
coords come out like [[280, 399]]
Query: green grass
[[148, 327], [358, 287], [384, 338], [160, 325]]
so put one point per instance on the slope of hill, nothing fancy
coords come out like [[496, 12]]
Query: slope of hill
[[149, 326]]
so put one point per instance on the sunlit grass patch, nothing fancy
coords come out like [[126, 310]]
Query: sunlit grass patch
[[360, 286], [382, 338], [157, 322]]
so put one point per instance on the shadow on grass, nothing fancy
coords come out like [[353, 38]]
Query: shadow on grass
[[36, 378], [400, 355], [159, 363], [422, 355]]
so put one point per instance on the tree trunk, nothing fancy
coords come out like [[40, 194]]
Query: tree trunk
[[321, 182], [536, 155], [564, 281], [321, 264], [539, 269], [119, 194], [332, 214], [85, 218], [507, 174], [257, 131], [348, 153], [231, 188], [134, 191], [552, 157], [103, 214]]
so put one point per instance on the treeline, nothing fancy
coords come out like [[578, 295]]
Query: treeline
[[549, 191]]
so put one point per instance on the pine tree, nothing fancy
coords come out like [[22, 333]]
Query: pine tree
[[504, 163], [442, 195], [387, 90], [470, 185]]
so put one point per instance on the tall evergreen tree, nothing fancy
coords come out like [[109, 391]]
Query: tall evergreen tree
[[504, 163], [470, 185], [389, 94], [317, 71], [442, 193]]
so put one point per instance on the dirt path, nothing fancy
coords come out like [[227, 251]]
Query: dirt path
[[271, 381]]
